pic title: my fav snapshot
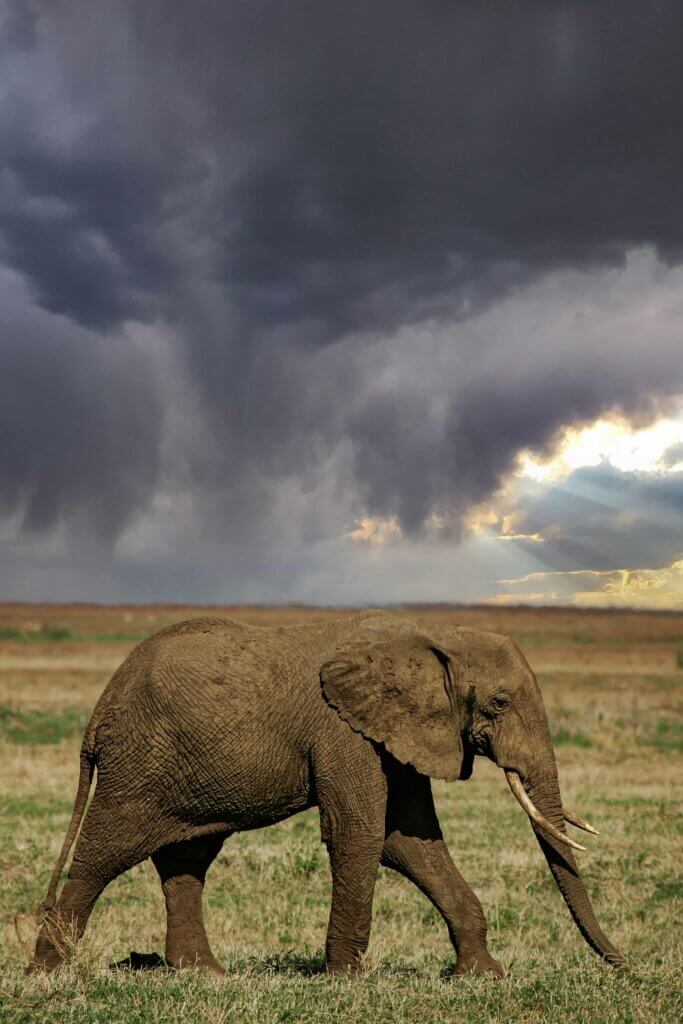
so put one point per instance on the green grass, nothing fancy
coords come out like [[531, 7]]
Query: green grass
[[289, 987], [25, 726], [563, 738], [47, 634], [666, 891], [556, 638], [618, 743], [115, 638], [44, 635], [668, 735], [25, 807], [583, 638], [52, 634], [267, 903]]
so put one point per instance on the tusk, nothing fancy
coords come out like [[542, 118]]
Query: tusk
[[580, 823], [525, 801]]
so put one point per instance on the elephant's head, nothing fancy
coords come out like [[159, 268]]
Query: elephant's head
[[436, 698]]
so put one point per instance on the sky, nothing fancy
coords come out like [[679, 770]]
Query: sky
[[341, 304]]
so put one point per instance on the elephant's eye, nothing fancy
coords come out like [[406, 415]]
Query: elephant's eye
[[499, 703]]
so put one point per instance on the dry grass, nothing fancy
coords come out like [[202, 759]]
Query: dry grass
[[613, 689]]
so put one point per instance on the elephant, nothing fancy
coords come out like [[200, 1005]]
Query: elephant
[[212, 726]]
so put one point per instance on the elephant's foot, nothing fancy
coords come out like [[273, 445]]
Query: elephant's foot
[[55, 939], [348, 968], [477, 962], [44, 965], [188, 947], [344, 958], [48, 956], [203, 963]]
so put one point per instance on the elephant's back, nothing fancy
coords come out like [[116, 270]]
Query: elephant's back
[[241, 672], [208, 671]]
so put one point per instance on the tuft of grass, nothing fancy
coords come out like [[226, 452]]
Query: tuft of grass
[[45, 634], [25, 726], [52, 634], [10, 633], [48, 634], [115, 638], [666, 891], [668, 735], [25, 807], [563, 738]]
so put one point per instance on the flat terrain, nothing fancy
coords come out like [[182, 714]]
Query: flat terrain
[[613, 687]]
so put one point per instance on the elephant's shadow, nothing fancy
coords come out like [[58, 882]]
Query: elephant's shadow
[[275, 963]]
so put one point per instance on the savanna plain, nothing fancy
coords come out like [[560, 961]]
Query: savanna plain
[[613, 688]]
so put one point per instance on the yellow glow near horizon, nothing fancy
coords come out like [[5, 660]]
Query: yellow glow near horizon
[[375, 530], [620, 588], [612, 440]]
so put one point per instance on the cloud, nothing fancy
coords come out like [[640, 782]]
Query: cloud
[[653, 447], [609, 538], [81, 421], [655, 589], [673, 457], [277, 273], [602, 518]]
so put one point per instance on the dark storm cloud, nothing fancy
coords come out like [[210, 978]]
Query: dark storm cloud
[[80, 422], [280, 189]]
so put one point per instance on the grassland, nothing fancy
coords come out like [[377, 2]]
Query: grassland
[[613, 686]]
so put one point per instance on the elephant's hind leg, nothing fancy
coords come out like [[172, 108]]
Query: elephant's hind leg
[[65, 924], [182, 868], [109, 844]]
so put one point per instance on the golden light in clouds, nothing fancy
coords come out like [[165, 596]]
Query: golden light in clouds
[[375, 530], [613, 440], [656, 448], [630, 449], [628, 588]]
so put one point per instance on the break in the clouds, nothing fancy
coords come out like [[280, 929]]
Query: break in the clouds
[[271, 272]]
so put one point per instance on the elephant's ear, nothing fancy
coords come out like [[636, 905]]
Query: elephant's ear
[[401, 693]]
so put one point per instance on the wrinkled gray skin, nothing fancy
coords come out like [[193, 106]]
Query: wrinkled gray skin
[[212, 727]]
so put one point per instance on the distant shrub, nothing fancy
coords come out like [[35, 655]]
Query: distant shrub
[[572, 739], [21, 725], [668, 735], [9, 633], [45, 634], [679, 656], [52, 634]]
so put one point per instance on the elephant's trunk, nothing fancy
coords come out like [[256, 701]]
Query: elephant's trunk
[[544, 791]]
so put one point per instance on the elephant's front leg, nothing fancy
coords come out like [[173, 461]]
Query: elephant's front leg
[[415, 848], [354, 860]]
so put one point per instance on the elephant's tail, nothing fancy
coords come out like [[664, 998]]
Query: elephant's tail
[[84, 780]]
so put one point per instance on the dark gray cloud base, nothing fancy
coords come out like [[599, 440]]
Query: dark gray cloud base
[[278, 190]]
